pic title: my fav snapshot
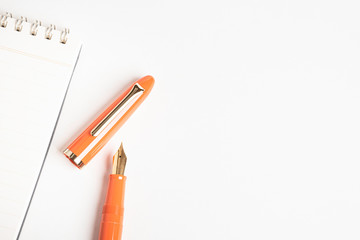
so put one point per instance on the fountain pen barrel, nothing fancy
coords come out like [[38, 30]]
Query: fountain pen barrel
[[113, 210]]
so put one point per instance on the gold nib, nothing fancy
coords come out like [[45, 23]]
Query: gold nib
[[119, 161]]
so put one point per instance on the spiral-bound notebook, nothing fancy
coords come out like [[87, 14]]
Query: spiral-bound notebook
[[36, 64]]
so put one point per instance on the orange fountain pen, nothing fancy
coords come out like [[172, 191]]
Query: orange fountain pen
[[113, 210], [95, 136]]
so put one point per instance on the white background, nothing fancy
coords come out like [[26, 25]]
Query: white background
[[252, 130]]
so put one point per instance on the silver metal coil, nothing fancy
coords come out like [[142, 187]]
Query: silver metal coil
[[19, 23], [34, 27], [64, 35], [4, 19], [49, 31]]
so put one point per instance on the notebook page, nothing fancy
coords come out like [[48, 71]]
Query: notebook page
[[34, 75]]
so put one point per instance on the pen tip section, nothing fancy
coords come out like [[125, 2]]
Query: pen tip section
[[119, 161]]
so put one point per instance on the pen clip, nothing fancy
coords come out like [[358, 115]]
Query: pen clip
[[136, 91]]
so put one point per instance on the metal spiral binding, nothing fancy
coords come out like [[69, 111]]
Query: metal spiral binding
[[34, 27], [4, 19], [19, 23], [48, 32], [64, 35]]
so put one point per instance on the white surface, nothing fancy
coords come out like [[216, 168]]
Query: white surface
[[34, 76], [251, 132]]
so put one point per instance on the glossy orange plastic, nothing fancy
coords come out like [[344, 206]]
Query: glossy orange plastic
[[113, 210], [85, 139]]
